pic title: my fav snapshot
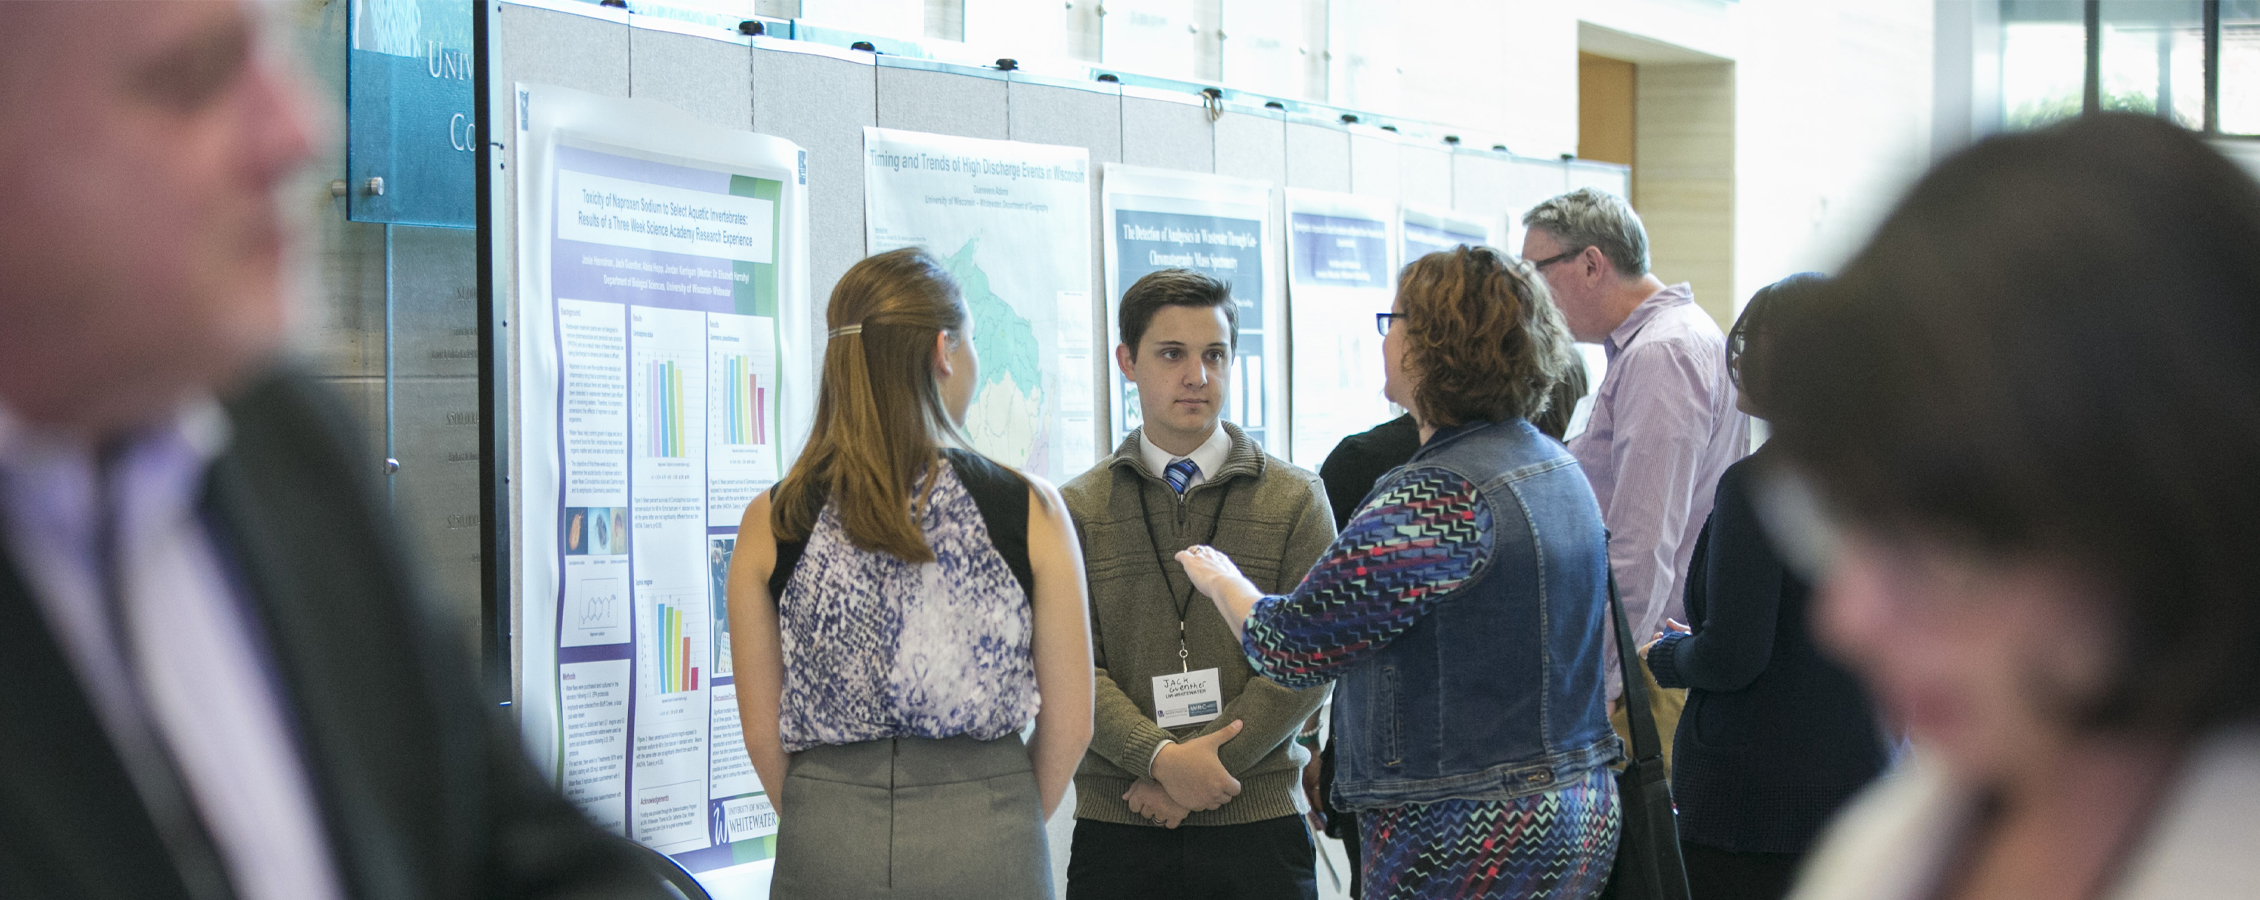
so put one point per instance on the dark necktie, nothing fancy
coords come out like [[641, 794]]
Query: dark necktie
[[1180, 473]]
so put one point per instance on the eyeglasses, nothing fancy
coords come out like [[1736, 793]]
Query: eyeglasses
[[1381, 321], [1558, 257]]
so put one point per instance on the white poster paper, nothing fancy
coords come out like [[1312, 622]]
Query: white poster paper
[[1342, 256], [1426, 230], [1221, 227], [1012, 222], [662, 277]]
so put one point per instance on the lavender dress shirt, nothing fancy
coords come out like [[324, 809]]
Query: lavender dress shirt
[[1663, 429], [202, 676]]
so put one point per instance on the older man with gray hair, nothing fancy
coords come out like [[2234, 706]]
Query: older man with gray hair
[[1664, 424]]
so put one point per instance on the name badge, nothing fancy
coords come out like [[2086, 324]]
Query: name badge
[[1187, 698]]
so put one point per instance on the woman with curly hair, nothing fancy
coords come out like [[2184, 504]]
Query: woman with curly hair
[[1461, 610]]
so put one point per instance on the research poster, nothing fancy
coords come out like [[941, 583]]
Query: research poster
[[1426, 230], [1221, 227], [662, 279], [1342, 266], [1012, 222]]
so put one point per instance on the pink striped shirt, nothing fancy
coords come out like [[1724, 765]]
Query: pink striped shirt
[[1663, 429]]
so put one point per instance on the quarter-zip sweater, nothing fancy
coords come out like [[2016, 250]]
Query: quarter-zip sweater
[[1273, 520]]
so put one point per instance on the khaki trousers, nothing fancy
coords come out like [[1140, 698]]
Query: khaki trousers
[[1664, 702]]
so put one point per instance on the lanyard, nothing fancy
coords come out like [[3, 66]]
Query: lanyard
[[1185, 605]]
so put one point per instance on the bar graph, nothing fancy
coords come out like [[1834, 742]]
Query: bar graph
[[663, 390], [745, 399], [676, 674]]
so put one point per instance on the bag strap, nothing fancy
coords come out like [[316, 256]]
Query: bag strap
[[1647, 750]]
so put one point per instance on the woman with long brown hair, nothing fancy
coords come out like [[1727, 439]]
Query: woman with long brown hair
[[899, 603]]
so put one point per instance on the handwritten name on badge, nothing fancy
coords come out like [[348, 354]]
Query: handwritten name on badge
[[1187, 698]]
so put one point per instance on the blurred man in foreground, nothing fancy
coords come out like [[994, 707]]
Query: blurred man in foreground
[[222, 681]]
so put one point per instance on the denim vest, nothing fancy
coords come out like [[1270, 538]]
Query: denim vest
[[1497, 692]]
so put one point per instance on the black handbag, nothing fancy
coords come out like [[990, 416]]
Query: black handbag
[[1648, 865]]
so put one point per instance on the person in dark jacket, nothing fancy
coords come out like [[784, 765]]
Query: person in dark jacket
[[1775, 737], [226, 680]]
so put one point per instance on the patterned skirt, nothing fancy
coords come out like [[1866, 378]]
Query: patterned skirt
[[1558, 845]]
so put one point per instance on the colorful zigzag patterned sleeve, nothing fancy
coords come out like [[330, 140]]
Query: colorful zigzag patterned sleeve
[[1413, 543]]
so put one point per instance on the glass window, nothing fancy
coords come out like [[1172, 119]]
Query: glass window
[[2043, 61], [1150, 37], [900, 19], [2153, 58], [2240, 67], [1267, 47]]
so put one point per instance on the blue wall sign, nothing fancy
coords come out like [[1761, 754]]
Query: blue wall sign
[[409, 95]]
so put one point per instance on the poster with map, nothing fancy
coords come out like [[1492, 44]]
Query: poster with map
[[1012, 222], [661, 264]]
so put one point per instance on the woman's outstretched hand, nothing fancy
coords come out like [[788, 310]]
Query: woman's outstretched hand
[[1214, 575]]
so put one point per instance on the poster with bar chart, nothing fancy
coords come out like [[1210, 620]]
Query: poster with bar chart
[[674, 660], [659, 261], [664, 428], [743, 401], [741, 451]]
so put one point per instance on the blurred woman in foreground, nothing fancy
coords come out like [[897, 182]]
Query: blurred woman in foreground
[[2021, 432]]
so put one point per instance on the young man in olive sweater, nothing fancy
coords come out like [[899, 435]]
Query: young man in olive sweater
[[1193, 783]]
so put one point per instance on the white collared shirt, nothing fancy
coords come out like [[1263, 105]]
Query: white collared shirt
[[1209, 456], [203, 676]]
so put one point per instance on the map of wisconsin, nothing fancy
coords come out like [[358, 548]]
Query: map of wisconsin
[[1007, 418]]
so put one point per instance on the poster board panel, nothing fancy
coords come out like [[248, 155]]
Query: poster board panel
[[1342, 254], [1428, 229], [1221, 227], [662, 261], [1011, 221]]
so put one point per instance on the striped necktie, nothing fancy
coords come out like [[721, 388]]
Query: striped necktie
[[1180, 473]]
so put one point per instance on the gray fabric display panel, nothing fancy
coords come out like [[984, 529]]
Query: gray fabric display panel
[[966, 105], [1373, 166], [1424, 175], [1252, 145], [1076, 117], [1168, 134], [1318, 157], [692, 74], [1481, 183], [1529, 183], [1532, 182], [1610, 178], [583, 52], [821, 103]]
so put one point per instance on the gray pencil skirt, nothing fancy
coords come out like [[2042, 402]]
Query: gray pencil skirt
[[910, 817]]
